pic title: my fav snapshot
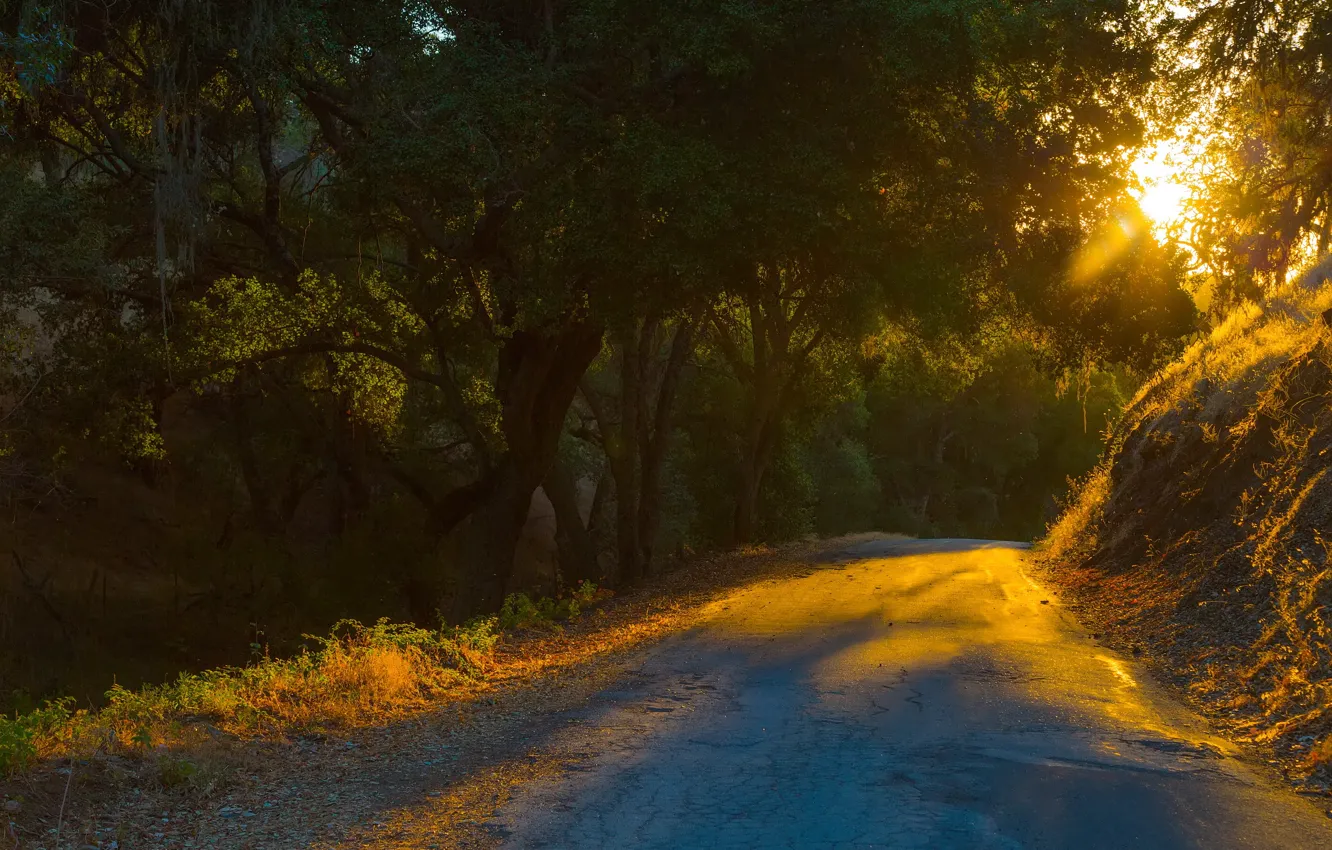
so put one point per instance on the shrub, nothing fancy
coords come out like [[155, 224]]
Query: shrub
[[356, 675], [16, 747], [522, 612], [24, 738]]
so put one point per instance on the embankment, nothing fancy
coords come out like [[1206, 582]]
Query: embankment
[[1203, 538]]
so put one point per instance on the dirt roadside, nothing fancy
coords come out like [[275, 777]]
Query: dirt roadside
[[1136, 612], [429, 780]]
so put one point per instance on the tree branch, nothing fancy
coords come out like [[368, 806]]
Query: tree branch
[[729, 349], [402, 364]]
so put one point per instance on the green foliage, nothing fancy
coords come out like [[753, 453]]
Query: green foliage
[[848, 495], [131, 431], [1121, 299], [245, 321], [19, 736], [975, 439], [175, 772], [786, 501], [1247, 86], [520, 611], [16, 748], [458, 647], [39, 46]]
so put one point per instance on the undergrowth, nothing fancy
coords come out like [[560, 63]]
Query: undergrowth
[[521, 612], [356, 675]]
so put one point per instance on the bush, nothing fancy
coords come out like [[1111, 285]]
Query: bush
[[16, 747], [23, 738], [355, 675], [521, 612]]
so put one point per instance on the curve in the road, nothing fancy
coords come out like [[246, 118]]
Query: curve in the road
[[906, 694]]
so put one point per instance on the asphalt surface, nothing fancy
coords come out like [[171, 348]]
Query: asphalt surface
[[905, 695]]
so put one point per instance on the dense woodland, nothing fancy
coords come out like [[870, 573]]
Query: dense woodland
[[311, 308]]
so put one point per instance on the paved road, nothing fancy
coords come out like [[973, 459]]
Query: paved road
[[907, 695]]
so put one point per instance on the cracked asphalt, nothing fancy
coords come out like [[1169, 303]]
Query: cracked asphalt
[[917, 694]]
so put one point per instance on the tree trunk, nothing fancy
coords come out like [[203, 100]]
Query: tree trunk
[[490, 540], [623, 456], [348, 456], [746, 506], [596, 513], [635, 436], [654, 443], [537, 377], [577, 550], [760, 441], [261, 502]]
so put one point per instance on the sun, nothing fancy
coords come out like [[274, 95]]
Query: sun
[[1161, 190]]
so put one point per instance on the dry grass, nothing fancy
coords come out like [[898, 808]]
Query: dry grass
[[1208, 511], [358, 675], [1074, 534]]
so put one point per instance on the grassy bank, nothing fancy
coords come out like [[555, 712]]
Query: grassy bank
[[1201, 538], [355, 676]]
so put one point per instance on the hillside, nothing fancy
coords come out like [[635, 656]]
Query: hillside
[[1202, 538]]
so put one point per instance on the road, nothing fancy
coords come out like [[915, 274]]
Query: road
[[905, 695]]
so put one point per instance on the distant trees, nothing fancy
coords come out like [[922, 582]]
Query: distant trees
[[418, 247]]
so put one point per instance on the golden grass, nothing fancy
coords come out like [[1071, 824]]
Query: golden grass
[[1074, 534], [359, 675], [1208, 509]]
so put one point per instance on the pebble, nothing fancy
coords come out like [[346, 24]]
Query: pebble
[[12, 806]]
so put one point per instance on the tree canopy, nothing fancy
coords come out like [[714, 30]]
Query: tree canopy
[[443, 254]]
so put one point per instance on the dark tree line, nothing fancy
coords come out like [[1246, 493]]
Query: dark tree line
[[449, 251]]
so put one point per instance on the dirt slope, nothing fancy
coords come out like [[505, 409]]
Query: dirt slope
[[1203, 539]]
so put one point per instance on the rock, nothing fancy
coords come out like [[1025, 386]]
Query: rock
[[13, 806]]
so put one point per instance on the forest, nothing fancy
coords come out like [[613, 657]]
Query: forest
[[327, 309]]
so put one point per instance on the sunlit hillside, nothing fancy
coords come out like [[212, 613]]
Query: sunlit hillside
[[1202, 532]]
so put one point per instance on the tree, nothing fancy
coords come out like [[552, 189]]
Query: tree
[[1263, 183], [970, 167], [633, 427], [418, 224]]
